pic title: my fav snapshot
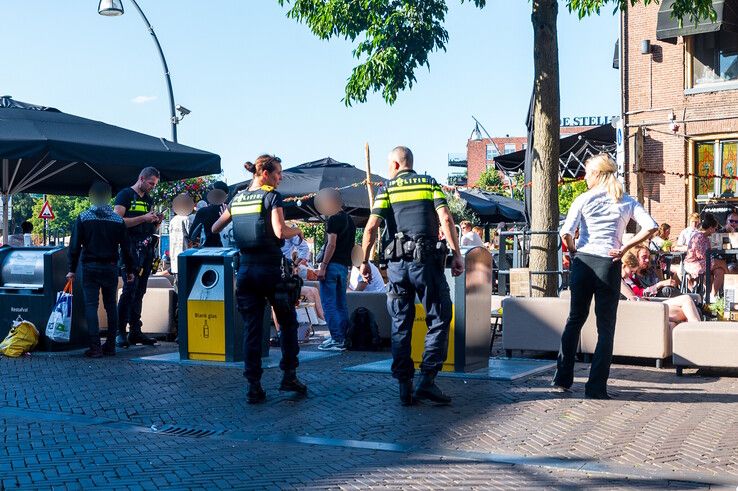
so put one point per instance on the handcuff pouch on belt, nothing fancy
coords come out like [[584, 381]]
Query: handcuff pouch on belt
[[289, 287], [419, 249]]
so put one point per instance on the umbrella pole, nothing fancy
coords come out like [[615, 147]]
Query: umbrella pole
[[6, 200], [6, 194], [369, 188]]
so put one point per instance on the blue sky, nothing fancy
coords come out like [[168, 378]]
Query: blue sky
[[258, 82]]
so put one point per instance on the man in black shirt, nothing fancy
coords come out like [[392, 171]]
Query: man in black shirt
[[135, 206], [207, 216], [96, 237], [340, 237]]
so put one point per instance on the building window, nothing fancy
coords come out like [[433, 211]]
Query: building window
[[509, 148], [714, 57], [525, 145], [715, 166], [492, 152]]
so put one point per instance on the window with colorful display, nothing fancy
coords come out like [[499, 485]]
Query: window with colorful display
[[716, 167]]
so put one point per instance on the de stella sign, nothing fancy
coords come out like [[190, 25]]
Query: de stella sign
[[586, 121]]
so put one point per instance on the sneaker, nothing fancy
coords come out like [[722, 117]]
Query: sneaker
[[333, 346], [121, 341], [326, 342]]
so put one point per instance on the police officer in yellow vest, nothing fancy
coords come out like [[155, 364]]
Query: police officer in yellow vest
[[416, 260], [259, 230]]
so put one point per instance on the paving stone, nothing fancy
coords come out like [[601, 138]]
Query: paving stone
[[658, 422]]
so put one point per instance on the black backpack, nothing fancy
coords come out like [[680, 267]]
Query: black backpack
[[363, 332]]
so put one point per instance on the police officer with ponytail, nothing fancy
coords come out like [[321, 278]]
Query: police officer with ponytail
[[259, 231]]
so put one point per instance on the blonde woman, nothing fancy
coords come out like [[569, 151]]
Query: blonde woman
[[601, 215]]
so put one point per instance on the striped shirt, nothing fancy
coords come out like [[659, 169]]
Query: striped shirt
[[412, 200]]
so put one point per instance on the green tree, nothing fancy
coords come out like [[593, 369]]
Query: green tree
[[66, 210], [398, 35], [490, 180], [568, 192], [22, 205], [459, 210]]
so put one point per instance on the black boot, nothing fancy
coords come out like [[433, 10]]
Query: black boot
[[291, 384], [406, 393], [428, 390], [255, 394], [140, 338]]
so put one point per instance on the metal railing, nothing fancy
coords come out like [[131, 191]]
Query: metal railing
[[519, 257]]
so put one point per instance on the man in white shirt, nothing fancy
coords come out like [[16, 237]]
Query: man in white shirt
[[686, 235], [469, 238], [356, 281], [299, 245]]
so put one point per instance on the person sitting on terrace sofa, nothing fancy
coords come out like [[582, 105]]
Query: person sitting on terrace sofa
[[651, 276], [695, 261], [681, 308]]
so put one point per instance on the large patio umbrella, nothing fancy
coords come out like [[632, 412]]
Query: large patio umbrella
[[44, 150], [309, 178], [493, 208]]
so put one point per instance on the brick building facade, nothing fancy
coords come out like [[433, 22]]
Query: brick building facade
[[680, 104], [480, 153]]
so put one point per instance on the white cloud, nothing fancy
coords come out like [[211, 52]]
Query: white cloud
[[143, 99]]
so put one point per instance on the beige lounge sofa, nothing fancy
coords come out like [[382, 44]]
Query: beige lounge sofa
[[536, 324], [376, 302], [158, 309], [533, 324], [642, 331], [705, 344]]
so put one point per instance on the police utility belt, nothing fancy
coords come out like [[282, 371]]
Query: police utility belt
[[419, 249]]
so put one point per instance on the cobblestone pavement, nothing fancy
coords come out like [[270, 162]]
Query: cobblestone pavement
[[68, 422]]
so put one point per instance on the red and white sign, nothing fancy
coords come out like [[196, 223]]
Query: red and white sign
[[46, 212]]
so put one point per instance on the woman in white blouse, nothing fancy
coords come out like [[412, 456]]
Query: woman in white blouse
[[601, 215]]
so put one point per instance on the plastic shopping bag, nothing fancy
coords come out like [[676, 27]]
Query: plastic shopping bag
[[60, 322], [22, 338]]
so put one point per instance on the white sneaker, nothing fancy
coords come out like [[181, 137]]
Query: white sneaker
[[326, 342], [334, 346]]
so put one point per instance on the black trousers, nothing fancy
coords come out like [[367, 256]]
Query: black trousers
[[96, 278], [131, 298], [408, 279], [598, 277], [255, 285]]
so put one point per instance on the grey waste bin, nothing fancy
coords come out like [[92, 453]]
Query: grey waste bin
[[469, 335], [30, 278], [210, 326], [471, 293]]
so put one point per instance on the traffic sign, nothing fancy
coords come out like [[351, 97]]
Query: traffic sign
[[46, 212]]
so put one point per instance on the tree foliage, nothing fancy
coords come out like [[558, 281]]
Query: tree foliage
[[568, 192], [459, 210], [66, 209], [22, 205], [395, 37], [491, 180]]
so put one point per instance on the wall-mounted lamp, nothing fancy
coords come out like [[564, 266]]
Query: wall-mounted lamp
[[646, 46]]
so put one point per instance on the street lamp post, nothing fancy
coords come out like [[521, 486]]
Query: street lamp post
[[112, 8], [478, 136]]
